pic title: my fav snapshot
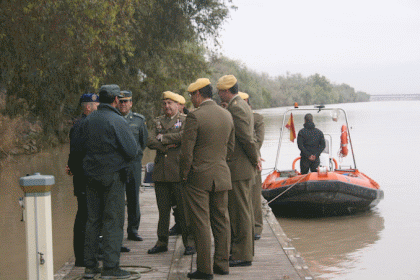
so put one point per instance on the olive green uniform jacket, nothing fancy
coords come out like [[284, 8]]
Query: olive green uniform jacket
[[259, 131], [166, 173], [243, 170], [245, 157], [208, 138], [166, 167]]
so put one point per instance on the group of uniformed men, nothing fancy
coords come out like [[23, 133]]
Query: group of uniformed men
[[208, 161]]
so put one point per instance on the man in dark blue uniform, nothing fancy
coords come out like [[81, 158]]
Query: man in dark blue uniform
[[108, 147], [138, 127], [89, 103], [311, 143]]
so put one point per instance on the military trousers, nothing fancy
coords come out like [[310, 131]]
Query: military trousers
[[106, 205], [208, 213], [256, 204], [165, 192], [241, 220], [132, 188], [79, 183], [79, 229]]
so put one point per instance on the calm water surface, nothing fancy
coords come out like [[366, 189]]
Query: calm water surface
[[63, 204], [382, 243]]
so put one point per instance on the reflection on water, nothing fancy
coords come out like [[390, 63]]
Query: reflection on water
[[379, 244], [63, 204], [330, 245]]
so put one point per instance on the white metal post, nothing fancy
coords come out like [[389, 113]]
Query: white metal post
[[38, 218]]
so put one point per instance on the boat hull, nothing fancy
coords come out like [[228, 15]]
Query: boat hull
[[322, 196]]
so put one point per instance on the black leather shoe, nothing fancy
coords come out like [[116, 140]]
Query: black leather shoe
[[175, 230], [234, 263], [200, 275], [134, 237], [257, 236], [157, 249], [218, 270], [125, 249], [189, 250]]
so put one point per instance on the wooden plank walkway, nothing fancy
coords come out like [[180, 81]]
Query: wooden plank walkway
[[275, 256]]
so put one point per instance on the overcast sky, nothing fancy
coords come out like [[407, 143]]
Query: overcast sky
[[371, 45]]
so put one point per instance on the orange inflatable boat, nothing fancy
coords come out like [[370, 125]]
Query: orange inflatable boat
[[336, 187]]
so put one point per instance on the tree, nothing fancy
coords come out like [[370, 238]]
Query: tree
[[53, 51]]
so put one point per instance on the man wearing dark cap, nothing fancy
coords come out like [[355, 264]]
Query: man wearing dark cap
[[109, 147], [165, 138], [243, 164], [208, 138], [137, 126], [89, 103]]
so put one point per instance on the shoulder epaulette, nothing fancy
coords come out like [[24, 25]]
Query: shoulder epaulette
[[139, 115]]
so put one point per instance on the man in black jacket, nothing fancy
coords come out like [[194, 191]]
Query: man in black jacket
[[89, 103], [108, 147], [311, 143]]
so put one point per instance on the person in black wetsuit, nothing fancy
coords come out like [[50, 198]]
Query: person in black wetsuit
[[311, 143]]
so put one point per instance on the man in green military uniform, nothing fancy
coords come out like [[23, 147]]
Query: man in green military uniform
[[138, 127], [208, 138], [243, 164], [165, 137], [259, 132]]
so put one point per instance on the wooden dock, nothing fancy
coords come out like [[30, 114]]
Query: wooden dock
[[275, 257]]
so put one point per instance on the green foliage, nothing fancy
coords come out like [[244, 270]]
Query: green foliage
[[249, 81], [284, 90], [51, 52]]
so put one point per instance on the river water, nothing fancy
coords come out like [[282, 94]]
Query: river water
[[63, 204], [379, 244]]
